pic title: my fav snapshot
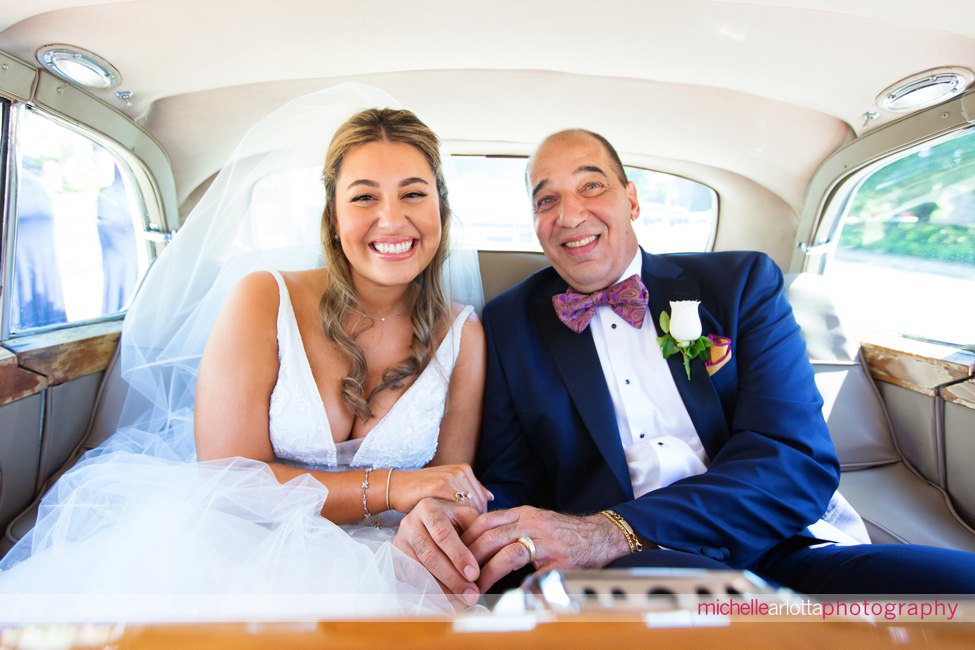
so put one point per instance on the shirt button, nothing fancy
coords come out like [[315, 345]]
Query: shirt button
[[660, 444], [613, 325], [627, 381], [643, 435]]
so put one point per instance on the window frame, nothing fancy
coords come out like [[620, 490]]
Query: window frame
[[827, 200], [8, 181], [852, 163], [844, 195], [148, 235], [839, 201], [712, 236]]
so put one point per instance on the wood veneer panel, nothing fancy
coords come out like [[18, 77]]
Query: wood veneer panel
[[16, 382]]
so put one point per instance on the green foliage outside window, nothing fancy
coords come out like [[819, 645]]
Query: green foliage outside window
[[944, 242], [922, 205]]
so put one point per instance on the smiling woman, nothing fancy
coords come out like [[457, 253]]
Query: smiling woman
[[377, 224], [785, 127], [271, 378]]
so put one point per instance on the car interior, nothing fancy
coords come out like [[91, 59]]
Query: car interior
[[786, 113]]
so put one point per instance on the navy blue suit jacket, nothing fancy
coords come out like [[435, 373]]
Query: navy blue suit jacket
[[550, 437]]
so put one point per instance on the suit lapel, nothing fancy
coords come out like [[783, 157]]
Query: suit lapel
[[578, 364], [699, 396]]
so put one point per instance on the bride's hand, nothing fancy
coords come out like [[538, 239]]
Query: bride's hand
[[448, 482]]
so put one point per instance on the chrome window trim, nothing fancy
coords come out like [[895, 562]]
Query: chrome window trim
[[73, 106], [9, 209], [846, 188]]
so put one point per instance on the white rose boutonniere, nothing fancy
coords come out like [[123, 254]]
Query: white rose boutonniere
[[682, 332]]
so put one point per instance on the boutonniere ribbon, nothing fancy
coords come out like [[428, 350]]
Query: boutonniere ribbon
[[683, 333]]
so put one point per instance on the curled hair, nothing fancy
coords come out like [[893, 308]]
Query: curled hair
[[339, 302]]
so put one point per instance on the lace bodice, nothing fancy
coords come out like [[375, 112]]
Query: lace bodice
[[405, 438]]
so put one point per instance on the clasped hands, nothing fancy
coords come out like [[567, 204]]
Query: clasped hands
[[468, 550]]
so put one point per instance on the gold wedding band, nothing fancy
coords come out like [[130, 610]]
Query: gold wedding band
[[528, 544], [462, 496]]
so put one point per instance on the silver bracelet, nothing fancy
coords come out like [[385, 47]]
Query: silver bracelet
[[365, 486]]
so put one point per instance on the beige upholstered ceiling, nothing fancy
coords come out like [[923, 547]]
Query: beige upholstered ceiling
[[762, 90]]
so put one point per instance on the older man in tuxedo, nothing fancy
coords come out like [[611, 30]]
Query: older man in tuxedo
[[600, 451]]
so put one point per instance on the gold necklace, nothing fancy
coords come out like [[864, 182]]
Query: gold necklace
[[381, 319]]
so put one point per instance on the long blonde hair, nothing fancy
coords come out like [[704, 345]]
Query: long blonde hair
[[339, 301]]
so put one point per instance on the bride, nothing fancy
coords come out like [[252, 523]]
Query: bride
[[328, 400]]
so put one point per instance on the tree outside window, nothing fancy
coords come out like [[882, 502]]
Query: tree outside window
[[906, 255]]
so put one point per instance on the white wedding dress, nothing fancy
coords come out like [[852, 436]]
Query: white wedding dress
[[151, 537]]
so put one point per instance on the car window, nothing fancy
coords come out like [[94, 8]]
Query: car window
[[77, 248], [489, 199], [489, 196], [905, 259]]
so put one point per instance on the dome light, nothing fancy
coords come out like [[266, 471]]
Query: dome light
[[79, 65], [925, 89]]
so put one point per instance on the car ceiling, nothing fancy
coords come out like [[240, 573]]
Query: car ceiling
[[764, 89]]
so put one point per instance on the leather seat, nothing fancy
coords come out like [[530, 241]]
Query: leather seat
[[108, 406], [896, 503]]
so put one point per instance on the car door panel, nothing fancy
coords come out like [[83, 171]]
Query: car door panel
[[959, 429], [20, 449]]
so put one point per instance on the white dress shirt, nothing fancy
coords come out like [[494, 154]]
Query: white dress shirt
[[659, 439]]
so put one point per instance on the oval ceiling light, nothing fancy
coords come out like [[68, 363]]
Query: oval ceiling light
[[925, 89], [79, 65]]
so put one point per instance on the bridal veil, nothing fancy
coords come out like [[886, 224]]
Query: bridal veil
[[239, 536]]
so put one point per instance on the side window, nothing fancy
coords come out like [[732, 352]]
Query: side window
[[489, 196], [77, 252], [905, 261], [676, 214]]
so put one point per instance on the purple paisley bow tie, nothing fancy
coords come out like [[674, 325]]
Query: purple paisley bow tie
[[627, 298]]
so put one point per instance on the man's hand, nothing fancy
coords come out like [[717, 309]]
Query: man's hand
[[561, 541], [430, 534]]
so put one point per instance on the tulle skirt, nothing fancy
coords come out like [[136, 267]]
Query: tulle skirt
[[129, 536]]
